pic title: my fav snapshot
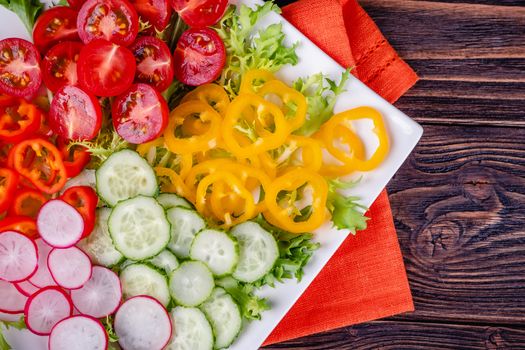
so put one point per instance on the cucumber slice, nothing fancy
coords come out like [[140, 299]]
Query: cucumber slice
[[225, 317], [191, 284], [192, 330], [171, 200], [125, 174], [98, 245], [217, 250], [185, 224], [141, 279], [166, 261], [139, 228], [258, 251]]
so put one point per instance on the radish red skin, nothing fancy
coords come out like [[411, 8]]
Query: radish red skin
[[42, 277], [27, 288], [15, 306], [31, 253], [56, 327], [146, 298], [52, 222], [86, 275], [31, 299], [78, 295]]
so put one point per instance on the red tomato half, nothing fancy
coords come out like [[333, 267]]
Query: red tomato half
[[154, 62], [200, 13], [75, 114], [113, 20], [156, 12], [199, 56], [20, 73], [55, 25], [140, 115], [60, 65], [105, 69]]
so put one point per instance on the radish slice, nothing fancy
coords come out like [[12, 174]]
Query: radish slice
[[23, 339], [5, 317], [142, 323], [100, 295], [46, 308], [27, 288], [18, 257], [79, 333], [59, 224], [70, 267], [11, 300], [42, 277]]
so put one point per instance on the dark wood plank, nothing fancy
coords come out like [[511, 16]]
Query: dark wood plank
[[439, 30], [411, 335], [459, 208]]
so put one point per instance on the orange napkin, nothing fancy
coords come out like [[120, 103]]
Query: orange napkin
[[366, 278]]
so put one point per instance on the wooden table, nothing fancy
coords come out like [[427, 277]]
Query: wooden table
[[459, 200]]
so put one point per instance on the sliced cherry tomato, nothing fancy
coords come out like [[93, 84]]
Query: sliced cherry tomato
[[40, 162], [154, 62], [75, 158], [156, 12], [8, 184], [23, 224], [60, 65], [113, 20], [27, 202], [199, 56], [140, 115], [55, 25], [19, 121], [105, 69], [75, 114], [84, 199], [20, 73], [200, 13]]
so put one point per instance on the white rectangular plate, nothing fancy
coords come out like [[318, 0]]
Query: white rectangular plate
[[404, 134]]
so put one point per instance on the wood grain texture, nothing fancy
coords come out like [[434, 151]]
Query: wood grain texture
[[459, 207], [410, 335]]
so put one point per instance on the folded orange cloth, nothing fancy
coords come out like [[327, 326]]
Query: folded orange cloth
[[366, 278]]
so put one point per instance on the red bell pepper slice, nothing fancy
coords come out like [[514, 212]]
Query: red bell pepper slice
[[75, 158], [8, 185], [27, 202], [40, 162], [84, 199], [18, 120], [22, 224]]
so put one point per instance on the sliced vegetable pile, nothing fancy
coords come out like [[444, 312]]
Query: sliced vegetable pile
[[154, 172]]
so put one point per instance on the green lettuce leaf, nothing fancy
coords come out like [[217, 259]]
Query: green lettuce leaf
[[295, 251], [26, 10], [248, 48], [321, 94], [251, 305], [20, 324], [346, 212]]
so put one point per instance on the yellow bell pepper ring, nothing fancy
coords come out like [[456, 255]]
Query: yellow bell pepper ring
[[291, 182], [175, 184], [339, 121], [193, 142], [355, 146], [245, 137], [184, 160], [229, 180], [293, 102], [254, 79], [211, 94]]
